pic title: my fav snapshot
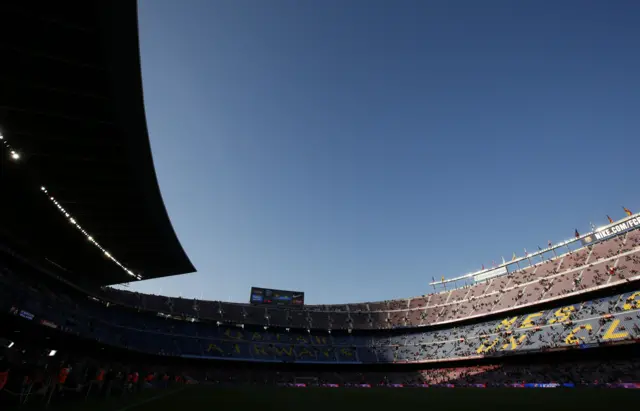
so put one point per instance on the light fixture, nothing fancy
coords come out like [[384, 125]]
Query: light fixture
[[16, 156]]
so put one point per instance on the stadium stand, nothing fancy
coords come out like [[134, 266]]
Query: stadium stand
[[590, 322], [568, 274]]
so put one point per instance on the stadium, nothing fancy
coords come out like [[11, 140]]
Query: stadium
[[82, 211]]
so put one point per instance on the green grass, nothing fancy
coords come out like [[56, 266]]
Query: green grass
[[115, 402], [196, 398]]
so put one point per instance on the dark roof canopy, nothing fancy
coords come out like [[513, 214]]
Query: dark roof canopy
[[71, 104]]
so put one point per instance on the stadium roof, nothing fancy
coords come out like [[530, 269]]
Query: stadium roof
[[72, 107]]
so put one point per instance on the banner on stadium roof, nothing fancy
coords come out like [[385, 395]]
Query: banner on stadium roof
[[614, 230], [491, 274]]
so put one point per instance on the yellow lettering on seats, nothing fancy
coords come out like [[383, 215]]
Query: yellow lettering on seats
[[513, 343], [611, 333], [286, 350], [507, 323], [562, 315], [633, 302], [346, 352], [528, 322], [321, 340], [259, 349], [233, 334], [214, 347], [486, 348], [572, 339]]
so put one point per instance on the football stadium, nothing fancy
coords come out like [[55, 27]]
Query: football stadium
[[81, 211]]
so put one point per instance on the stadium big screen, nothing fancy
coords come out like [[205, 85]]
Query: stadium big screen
[[276, 297]]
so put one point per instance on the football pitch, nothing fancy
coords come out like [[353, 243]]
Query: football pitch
[[196, 398]]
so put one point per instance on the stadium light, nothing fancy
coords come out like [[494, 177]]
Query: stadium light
[[52, 353], [15, 155], [11, 343]]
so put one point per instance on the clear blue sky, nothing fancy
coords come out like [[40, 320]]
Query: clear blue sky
[[353, 149]]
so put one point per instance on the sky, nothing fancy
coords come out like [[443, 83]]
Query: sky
[[354, 149]]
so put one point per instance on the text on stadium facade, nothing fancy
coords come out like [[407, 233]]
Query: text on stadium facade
[[613, 230]]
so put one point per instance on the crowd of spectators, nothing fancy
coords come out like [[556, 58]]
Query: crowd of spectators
[[604, 320], [583, 373], [607, 263]]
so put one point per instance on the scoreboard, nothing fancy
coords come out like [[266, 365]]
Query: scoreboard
[[275, 297]]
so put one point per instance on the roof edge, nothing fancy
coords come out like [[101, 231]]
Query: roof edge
[[123, 46]]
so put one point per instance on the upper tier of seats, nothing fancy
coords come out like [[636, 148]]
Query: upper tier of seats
[[603, 264]]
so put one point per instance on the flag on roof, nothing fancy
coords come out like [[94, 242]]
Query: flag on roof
[[539, 249], [483, 266], [626, 210], [610, 219], [526, 254], [433, 279], [577, 234], [503, 262], [514, 256], [550, 243], [443, 278], [593, 227]]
